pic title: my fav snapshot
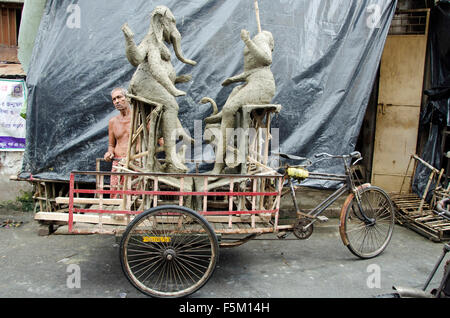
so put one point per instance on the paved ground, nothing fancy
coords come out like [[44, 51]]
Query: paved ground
[[320, 267]]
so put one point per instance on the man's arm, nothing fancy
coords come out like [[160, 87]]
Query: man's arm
[[109, 155]]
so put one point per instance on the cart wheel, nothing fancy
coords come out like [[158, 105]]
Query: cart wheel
[[367, 239], [169, 251]]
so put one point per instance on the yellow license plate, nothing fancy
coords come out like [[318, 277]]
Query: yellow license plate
[[156, 239]]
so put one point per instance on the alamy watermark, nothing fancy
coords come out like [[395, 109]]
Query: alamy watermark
[[74, 278], [73, 21], [235, 148], [374, 279], [374, 18]]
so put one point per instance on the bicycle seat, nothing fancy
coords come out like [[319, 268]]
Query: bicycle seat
[[292, 157], [287, 156]]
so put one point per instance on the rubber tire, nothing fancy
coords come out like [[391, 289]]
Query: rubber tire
[[157, 293], [345, 217]]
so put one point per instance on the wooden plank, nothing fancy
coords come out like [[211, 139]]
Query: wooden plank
[[12, 27], [439, 225], [255, 181], [246, 231], [205, 198], [181, 190], [423, 231], [82, 218], [234, 219], [425, 218], [84, 229], [65, 200], [230, 203], [427, 223], [218, 226], [4, 26], [414, 205], [407, 201], [155, 197], [107, 219], [435, 230], [400, 97], [403, 66]]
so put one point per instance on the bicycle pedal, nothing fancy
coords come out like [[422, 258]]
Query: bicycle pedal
[[282, 235], [322, 218]]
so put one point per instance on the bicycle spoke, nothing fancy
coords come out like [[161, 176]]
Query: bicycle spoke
[[187, 269], [142, 261], [158, 263]]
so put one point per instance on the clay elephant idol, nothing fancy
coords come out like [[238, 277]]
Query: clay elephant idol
[[155, 77], [258, 88]]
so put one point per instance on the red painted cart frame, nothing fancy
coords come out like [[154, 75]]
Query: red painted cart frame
[[252, 201]]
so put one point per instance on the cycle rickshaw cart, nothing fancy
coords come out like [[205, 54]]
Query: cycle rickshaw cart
[[172, 225]]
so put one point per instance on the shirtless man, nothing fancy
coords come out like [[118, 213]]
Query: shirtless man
[[118, 133], [119, 126]]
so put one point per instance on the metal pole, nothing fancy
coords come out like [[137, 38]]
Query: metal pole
[[446, 250]]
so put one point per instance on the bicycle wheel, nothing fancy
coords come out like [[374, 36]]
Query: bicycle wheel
[[169, 251], [367, 237]]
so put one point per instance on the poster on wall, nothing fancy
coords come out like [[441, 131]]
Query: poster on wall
[[13, 97]]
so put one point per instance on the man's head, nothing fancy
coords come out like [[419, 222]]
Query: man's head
[[119, 99]]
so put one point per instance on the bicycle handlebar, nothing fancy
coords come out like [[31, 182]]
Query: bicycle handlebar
[[353, 155]]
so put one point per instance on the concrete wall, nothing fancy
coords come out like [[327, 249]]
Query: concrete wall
[[29, 26], [10, 164]]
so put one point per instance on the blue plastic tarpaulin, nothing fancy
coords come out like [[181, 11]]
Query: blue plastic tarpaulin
[[325, 61]]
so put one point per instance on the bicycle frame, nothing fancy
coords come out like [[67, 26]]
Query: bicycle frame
[[348, 186], [319, 209], [364, 207]]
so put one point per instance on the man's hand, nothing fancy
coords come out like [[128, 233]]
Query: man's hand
[[108, 156]]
